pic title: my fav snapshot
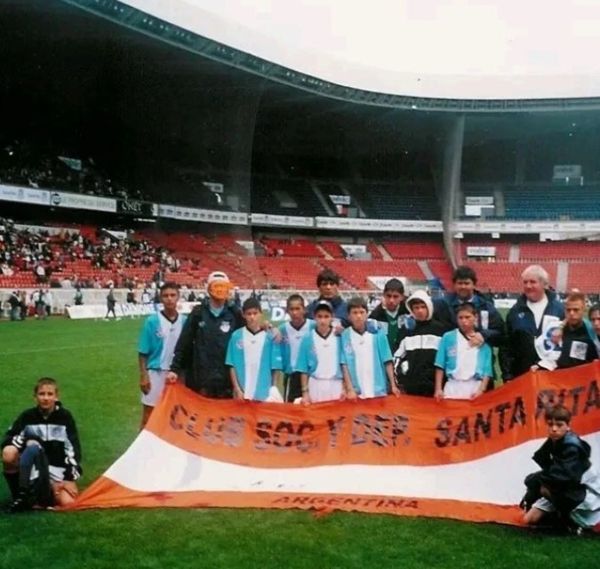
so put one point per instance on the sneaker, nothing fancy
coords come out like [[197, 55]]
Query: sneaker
[[19, 504]]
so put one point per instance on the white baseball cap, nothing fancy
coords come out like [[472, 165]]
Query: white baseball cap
[[217, 277]]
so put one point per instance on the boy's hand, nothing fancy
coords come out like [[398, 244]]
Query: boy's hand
[[396, 391], [534, 368], [439, 394], [238, 393], [306, 399], [351, 395], [171, 378], [477, 393], [476, 340], [145, 384]]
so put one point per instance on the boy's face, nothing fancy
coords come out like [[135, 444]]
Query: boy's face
[[358, 317], [328, 289], [46, 397], [296, 310], [464, 288], [574, 311], [557, 429], [323, 319], [253, 318], [595, 319], [419, 310], [169, 298], [466, 321], [392, 300]]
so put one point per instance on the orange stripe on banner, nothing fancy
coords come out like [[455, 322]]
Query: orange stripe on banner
[[105, 493], [406, 430]]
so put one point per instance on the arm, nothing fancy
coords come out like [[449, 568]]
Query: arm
[[482, 387], [238, 393], [304, 383], [439, 376], [182, 356], [505, 356], [566, 469], [72, 451], [349, 388], [144, 377], [389, 371]]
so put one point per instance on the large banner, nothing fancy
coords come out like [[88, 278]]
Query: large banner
[[407, 456]]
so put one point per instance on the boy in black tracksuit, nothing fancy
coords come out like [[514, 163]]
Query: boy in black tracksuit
[[419, 339]]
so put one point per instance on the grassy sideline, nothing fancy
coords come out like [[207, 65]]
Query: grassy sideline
[[95, 363]]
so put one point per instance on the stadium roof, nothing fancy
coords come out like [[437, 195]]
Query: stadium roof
[[419, 54]]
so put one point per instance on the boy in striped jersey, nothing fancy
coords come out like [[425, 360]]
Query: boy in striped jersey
[[156, 346], [366, 357], [318, 360], [253, 356], [292, 334], [41, 452]]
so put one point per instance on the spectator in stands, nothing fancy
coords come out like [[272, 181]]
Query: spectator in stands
[[490, 327], [392, 312], [576, 342], [415, 357], [328, 282], [199, 357], [536, 311]]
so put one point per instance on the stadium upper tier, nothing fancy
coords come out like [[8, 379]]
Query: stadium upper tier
[[419, 48]]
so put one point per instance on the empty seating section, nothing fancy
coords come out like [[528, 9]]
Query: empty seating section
[[282, 272], [585, 277], [333, 248], [397, 201], [539, 202], [291, 247], [304, 201], [355, 273], [415, 250], [443, 271], [560, 251]]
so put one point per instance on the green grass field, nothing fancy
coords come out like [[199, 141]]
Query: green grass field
[[95, 363]]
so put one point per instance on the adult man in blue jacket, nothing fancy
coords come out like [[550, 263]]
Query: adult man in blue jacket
[[328, 282], [534, 313]]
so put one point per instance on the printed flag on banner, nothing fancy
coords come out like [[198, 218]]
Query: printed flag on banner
[[406, 456]]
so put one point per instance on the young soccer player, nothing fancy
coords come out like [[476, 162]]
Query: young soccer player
[[567, 484], [578, 345], [41, 452], [392, 311], [467, 368], [253, 357], [366, 357], [292, 333], [319, 359], [157, 343], [414, 359]]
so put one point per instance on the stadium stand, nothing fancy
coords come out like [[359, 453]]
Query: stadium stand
[[415, 250]]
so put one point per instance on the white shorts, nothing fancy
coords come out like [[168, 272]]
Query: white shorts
[[157, 384], [324, 389], [461, 389]]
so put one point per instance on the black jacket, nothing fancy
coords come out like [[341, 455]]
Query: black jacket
[[578, 347], [519, 353], [379, 313], [414, 359], [58, 436], [200, 351]]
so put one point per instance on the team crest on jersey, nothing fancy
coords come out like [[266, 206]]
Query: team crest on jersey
[[201, 324], [239, 344], [225, 326], [348, 348], [159, 333]]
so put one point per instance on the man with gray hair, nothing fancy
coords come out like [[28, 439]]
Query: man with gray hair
[[536, 313]]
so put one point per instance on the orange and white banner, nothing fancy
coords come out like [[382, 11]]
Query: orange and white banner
[[406, 456]]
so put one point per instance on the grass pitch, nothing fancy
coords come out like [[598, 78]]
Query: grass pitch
[[95, 363]]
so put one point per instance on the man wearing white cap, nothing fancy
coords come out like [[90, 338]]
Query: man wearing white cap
[[200, 352]]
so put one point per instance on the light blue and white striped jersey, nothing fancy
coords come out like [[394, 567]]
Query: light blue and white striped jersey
[[158, 340], [365, 355], [320, 357], [291, 338], [461, 361], [253, 356]]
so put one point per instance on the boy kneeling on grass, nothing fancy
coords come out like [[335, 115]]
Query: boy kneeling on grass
[[41, 453], [567, 487]]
